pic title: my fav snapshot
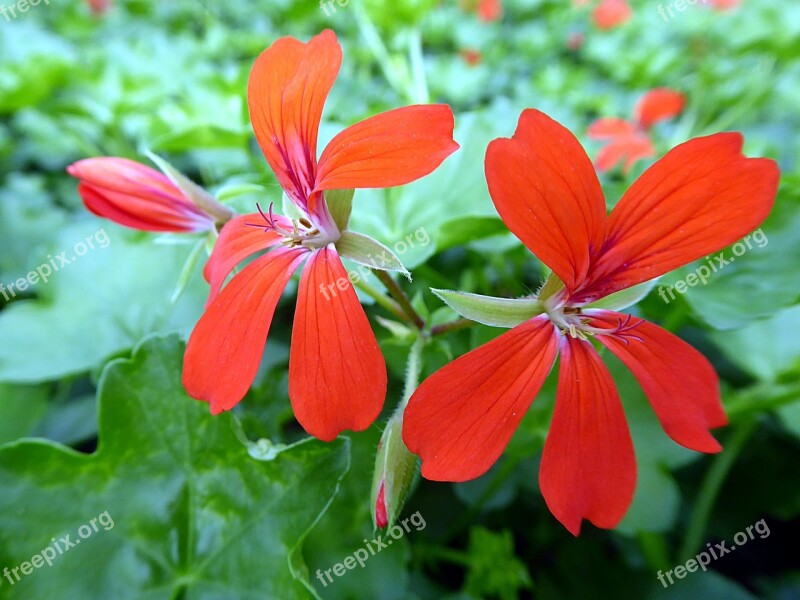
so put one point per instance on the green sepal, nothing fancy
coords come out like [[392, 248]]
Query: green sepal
[[496, 312], [365, 251], [340, 204], [201, 197]]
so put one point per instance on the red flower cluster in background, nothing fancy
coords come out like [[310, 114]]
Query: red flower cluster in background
[[98, 7], [487, 10], [629, 141], [611, 13]]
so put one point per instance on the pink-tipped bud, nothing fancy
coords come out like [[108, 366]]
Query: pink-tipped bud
[[396, 473], [381, 517], [136, 196]]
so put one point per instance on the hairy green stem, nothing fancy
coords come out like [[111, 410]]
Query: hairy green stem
[[387, 303], [456, 325], [400, 297]]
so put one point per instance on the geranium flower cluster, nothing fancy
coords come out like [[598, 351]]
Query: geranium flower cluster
[[701, 196]]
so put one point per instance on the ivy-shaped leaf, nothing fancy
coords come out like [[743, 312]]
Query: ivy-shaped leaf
[[180, 509]]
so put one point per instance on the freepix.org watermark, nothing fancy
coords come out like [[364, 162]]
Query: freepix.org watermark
[[54, 264], [13, 10], [679, 6], [58, 547], [329, 6], [419, 238], [360, 556], [703, 559], [713, 264]]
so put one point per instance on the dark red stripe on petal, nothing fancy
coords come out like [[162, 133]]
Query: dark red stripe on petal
[[225, 348], [546, 191], [238, 240], [680, 383], [337, 375], [700, 197], [390, 149], [462, 417], [286, 92], [588, 467]]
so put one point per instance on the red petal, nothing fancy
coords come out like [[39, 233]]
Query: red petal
[[629, 149], [462, 417], [547, 193], [588, 468], [702, 196], [237, 241], [610, 127], [657, 105], [389, 149], [337, 375], [680, 383], [490, 10], [610, 13], [225, 348], [638, 149], [288, 86], [136, 196]]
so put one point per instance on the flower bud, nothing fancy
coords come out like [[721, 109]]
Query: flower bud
[[396, 474], [137, 196]]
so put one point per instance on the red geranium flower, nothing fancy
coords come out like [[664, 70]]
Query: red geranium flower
[[725, 4], [702, 196], [471, 56], [487, 10], [337, 376], [98, 7], [136, 196], [611, 13], [629, 141]]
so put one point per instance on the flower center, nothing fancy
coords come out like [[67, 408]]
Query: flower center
[[297, 232], [572, 320]]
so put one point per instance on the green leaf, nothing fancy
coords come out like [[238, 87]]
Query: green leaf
[[463, 230], [370, 253], [340, 204], [761, 280], [98, 305], [410, 219], [229, 192], [183, 510], [496, 312], [21, 408], [765, 349], [494, 571]]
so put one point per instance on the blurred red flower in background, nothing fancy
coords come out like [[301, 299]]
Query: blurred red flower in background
[[98, 7], [629, 141], [611, 13], [487, 10], [471, 56]]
